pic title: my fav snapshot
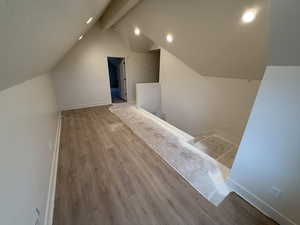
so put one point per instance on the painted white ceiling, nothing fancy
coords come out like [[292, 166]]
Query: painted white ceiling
[[208, 34], [139, 43], [36, 34], [115, 11]]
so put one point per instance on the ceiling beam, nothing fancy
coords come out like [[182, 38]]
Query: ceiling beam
[[115, 11]]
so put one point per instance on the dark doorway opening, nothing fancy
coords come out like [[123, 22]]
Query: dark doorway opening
[[117, 79]]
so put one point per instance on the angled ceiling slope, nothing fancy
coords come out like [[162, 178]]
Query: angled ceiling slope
[[208, 35], [116, 10], [35, 35], [141, 43]]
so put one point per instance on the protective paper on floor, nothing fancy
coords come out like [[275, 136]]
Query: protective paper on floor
[[218, 148], [205, 174]]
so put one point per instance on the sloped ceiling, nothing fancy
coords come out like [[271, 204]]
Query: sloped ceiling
[[208, 34], [115, 11], [285, 33], [36, 34], [139, 43]]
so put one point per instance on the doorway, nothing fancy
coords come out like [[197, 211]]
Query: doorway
[[117, 79]]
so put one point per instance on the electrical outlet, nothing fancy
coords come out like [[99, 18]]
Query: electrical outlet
[[37, 215], [276, 192]]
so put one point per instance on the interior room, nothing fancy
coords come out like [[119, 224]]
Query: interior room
[[135, 112], [117, 79]]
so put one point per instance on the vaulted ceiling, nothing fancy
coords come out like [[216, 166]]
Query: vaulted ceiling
[[36, 34], [209, 35]]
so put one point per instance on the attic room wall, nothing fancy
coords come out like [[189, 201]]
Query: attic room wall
[[81, 78], [199, 104], [141, 68], [269, 151], [28, 124]]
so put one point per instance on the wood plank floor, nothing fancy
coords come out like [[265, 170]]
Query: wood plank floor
[[108, 176]]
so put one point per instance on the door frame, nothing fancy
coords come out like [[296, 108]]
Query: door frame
[[124, 79], [108, 76]]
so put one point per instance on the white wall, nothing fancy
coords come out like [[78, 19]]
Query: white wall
[[198, 104], [28, 123], [82, 80], [141, 68], [269, 154], [148, 97]]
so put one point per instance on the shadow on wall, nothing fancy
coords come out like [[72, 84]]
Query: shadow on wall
[[200, 105]]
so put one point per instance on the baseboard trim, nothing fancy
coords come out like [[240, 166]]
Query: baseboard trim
[[53, 175], [82, 106], [258, 203]]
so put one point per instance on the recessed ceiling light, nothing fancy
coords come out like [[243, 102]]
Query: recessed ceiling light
[[137, 31], [80, 37], [89, 20], [249, 16], [169, 38]]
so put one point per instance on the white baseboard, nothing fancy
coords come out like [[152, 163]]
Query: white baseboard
[[53, 175], [81, 106], [258, 203]]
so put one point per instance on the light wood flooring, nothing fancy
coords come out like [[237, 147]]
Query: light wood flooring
[[108, 176]]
